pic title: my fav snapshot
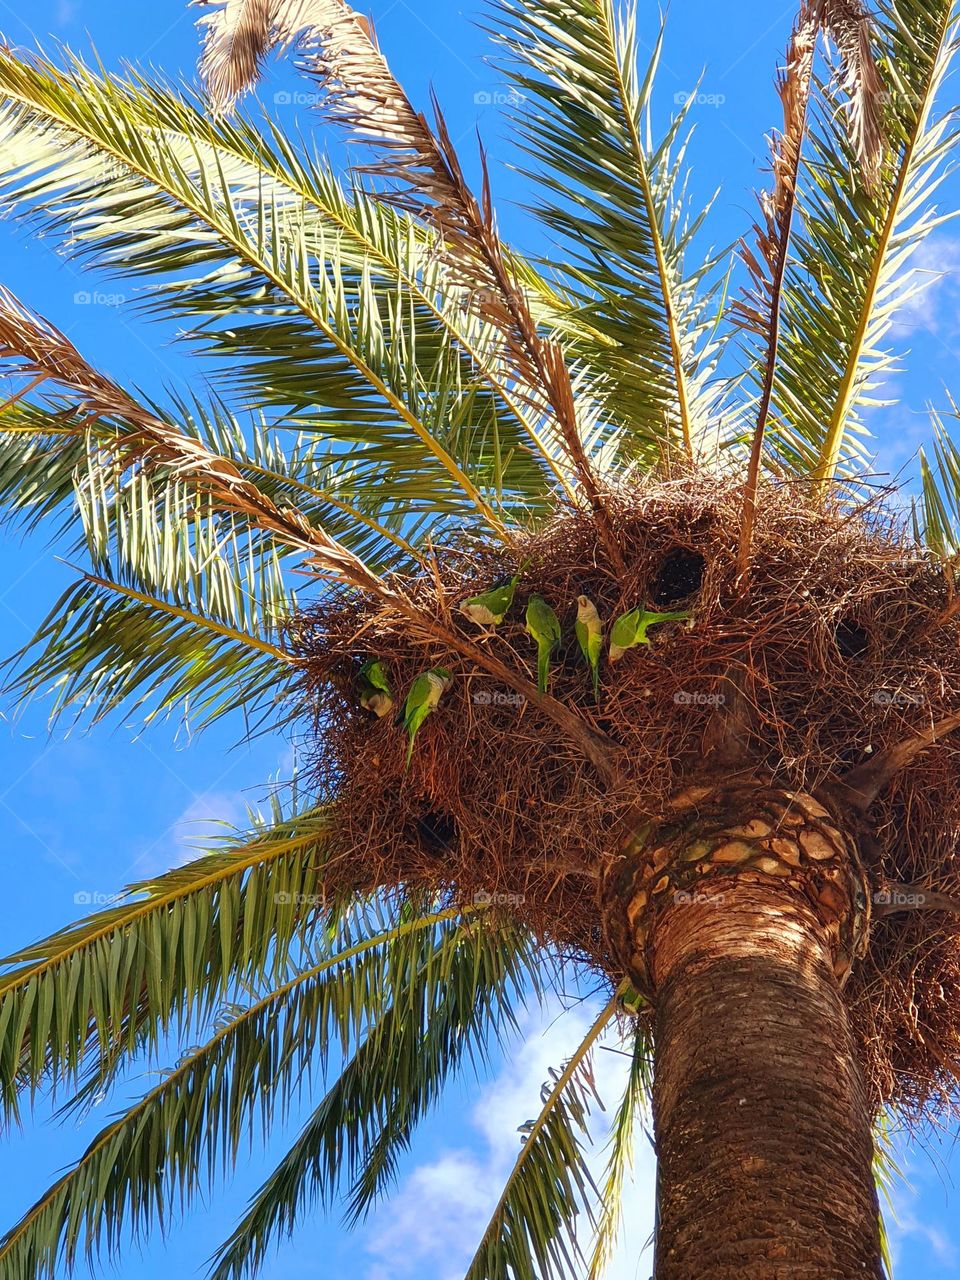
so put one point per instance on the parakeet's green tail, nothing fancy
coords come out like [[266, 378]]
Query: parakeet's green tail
[[596, 681], [543, 667]]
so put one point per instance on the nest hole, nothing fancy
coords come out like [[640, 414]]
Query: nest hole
[[679, 577], [437, 834], [853, 639]]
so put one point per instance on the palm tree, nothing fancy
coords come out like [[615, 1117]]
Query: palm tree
[[747, 833]]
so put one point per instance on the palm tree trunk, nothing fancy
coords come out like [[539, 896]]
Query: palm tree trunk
[[742, 933], [760, 1111]]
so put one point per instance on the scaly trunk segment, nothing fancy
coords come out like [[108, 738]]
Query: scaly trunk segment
[[741, 920], [760, 1111]]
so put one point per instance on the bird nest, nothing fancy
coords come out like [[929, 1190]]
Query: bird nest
[[838, 638]]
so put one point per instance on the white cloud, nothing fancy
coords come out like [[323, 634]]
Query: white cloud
[[935, 266], [199, 825], [431, 1227], [920, 1239]]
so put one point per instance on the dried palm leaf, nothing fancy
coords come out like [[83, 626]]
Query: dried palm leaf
[[239, 34], [37, 347], [759, 308], [420, 166], [847, 23]]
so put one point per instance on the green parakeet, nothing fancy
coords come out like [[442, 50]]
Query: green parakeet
[[490, 608], [590, 637], [631, 629], [375, 693], [632, 1002], [544, 625], [425, 692]]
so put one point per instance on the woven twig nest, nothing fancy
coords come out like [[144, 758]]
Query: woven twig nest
[[835, 640]]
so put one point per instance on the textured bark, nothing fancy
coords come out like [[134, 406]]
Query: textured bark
[[760, 1111]]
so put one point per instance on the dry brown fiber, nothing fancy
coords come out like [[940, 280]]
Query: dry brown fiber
[[835, 632]]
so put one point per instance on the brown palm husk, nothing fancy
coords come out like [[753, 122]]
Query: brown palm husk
[[840, 633]]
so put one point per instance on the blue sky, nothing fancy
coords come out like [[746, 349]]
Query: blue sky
[[80, 815]]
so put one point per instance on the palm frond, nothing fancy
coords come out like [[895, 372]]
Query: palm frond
[[164, 955], [185, 604], [396, 249], [937, 511], [304, 319], [421, 171], [887, 1173], [850, 265], [457, 1003], [848, 24], [104, 646], [617, 201], [45, 482], [140, 437], [621, 1145], [236, 38], [532, 1232], [171, 1143]]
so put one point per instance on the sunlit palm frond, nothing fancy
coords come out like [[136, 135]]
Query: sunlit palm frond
[[887, 1173], [617, 200], [395, 247], [339, 490], [421, 171], [533, 1228], [139, 437], [937, 510], [186, 605], [457, 1006], [166, 954], [169, 1145], [622, 1147], [300, 314], [850, 262]]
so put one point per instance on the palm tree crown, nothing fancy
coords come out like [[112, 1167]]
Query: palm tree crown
[[406, 411]]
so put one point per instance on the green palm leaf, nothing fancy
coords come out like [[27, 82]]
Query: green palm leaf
[[937, 512], [533, 1229], [170, 1144], [105, 646], [130, 437], [453, 1009], [621, 1147], [850, 270], [617, 200], [167, 953], [303, 317]]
